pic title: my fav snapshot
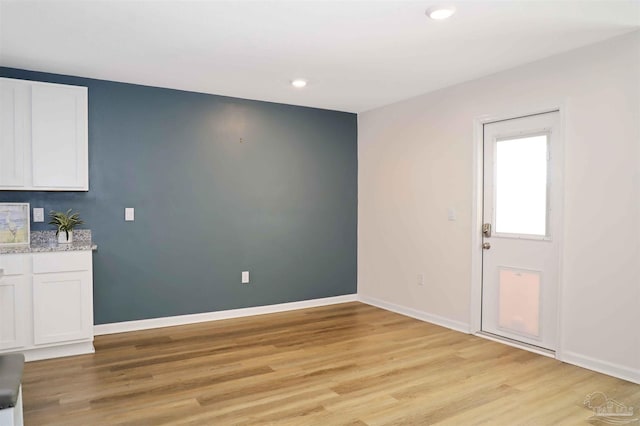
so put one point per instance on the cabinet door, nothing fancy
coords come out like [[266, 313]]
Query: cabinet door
[[62, 307], [59, 136], [13, 310], [14, 132]]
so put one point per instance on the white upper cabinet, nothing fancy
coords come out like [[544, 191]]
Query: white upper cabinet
[[59, 136], [14, 132], [43, 136]]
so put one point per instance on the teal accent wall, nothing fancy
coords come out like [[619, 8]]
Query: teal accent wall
[[281, 203]]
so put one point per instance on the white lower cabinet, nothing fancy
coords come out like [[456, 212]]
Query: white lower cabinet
[[12, 315], [13, 301], [59, 311], [46, 310]]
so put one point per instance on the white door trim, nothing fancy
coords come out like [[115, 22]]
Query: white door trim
[[477, 160]]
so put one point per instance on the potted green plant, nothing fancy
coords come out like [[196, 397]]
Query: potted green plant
[[64, 222]]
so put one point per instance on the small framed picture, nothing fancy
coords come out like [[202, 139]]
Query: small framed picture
[[14, 224]]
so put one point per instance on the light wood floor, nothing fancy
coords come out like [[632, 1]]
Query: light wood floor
[[348, 364]]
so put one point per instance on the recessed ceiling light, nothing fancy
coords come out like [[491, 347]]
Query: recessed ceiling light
[[440, 12], [299, 83]]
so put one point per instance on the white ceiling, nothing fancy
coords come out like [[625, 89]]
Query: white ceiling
[[357, 55]]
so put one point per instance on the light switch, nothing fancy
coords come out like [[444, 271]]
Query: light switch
[[129, 214], [38, 214], [245, 277], [451, 214]]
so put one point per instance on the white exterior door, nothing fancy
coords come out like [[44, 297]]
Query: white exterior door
[[522, 225]]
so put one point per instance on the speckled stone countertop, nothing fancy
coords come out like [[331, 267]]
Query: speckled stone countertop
[[46, 241]]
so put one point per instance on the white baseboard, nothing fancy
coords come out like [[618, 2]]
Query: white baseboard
[[615, 370], [146, 324], [604, 367], [414, 313]]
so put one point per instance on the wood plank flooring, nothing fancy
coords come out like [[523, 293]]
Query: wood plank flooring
[[348, 364]]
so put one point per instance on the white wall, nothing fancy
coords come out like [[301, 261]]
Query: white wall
[[416, 160]]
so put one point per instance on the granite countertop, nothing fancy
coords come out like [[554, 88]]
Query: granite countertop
[[46, 241]]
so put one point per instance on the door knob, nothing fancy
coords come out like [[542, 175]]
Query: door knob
[[486, 246]]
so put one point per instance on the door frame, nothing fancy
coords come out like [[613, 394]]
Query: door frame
[[477, 194]]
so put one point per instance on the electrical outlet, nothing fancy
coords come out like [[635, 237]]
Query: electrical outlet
[[420, 279], [245, 277]]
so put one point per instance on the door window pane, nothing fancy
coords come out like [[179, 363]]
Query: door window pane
[[519, 301], [521, 186]]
